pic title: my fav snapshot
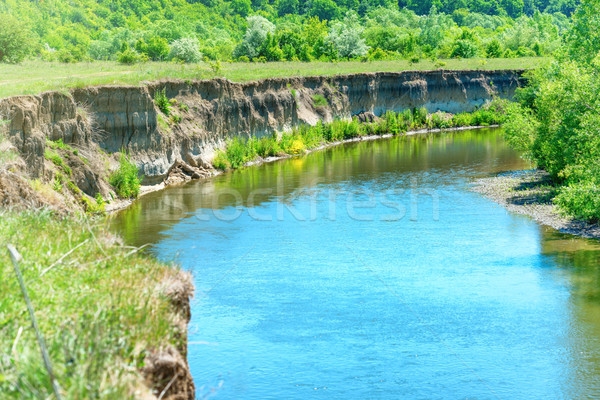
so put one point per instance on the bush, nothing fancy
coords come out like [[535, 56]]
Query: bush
[[256, 34], [161, 101], [125, 180], [493, 49], [186, 50], [464, 49], [14, 40], [157, 48], [346, 37], [319, 101], [128, 56]]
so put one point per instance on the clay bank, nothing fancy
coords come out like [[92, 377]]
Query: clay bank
[[63, 145], [99, 121]]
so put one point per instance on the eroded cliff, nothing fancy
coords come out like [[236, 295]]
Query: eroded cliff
[[209, 112]]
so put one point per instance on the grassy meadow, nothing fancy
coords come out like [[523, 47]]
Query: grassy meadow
[[100, 306], [33, 77]]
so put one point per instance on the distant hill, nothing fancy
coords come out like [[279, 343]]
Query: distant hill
[[263, 30]]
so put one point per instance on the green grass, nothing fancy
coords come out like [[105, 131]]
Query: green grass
[[33, 77], [238, 152], [100, 309], [125, 179]]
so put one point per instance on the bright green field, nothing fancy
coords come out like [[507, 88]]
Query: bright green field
[[33, 77]]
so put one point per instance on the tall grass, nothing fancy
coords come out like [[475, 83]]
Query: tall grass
[[100, 310], [238, 151], [125, 179]]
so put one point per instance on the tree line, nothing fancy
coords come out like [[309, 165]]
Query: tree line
[[265, 30]]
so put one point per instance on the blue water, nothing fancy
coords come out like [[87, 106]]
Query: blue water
[[372, 271]]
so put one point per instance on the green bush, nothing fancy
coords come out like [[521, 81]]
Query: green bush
[[186, 50], [319, 100], [14, 39], [162, 102], [128, 56], [125, 179]]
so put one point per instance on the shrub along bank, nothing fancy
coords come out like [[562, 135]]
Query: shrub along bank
[[239, 151], [556, 122]]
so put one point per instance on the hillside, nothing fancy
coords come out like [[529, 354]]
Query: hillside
[[259, 30]]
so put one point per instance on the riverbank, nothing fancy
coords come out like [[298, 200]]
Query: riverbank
[[530, 193], [114, 320], [33, 77]]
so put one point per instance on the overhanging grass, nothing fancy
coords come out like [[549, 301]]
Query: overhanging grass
[[33, 77], [238, 151], [99, 310]]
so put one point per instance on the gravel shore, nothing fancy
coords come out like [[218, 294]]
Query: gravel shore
[[530, 193]]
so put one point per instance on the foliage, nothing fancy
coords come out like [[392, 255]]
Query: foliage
[[100, 309], [125, 179], [346, 37], [326, 30], [128, 56], [256, 34], [557, 121], [319, 101], [14, 39], [238, 152], [162, 102], [186, 50]]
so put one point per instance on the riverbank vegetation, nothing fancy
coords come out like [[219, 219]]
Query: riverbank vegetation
[[101, 307], [239, 151], [557, 120]]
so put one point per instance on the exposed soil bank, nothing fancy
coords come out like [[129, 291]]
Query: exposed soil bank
[[530, 193]]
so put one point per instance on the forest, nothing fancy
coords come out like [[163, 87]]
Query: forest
[[279, 30]]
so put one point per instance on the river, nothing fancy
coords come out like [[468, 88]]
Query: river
[[370, 270]]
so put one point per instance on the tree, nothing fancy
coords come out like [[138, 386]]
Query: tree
[[346, 37], [157, 48], [186, 50], [287, 7], [584, 37], [325, 10], [256, 34], [241, 7], [14, 40]]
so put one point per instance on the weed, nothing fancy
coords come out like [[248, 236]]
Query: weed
[[125, 179], [57, 160], [161, 101], [238, 152], [319, 100], [99, 309], [57, 184]]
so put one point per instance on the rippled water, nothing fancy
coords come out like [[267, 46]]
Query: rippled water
[[371, 271]]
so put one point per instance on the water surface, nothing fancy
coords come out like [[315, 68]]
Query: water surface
[[370, 270]]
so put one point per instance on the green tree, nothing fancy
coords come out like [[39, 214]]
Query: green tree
[[325, 10], [256, 34], [287, 7], [493, 49], [14, 39], [584, 37], [241, 7], [346, 37], [157, 48], [186, 50]]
